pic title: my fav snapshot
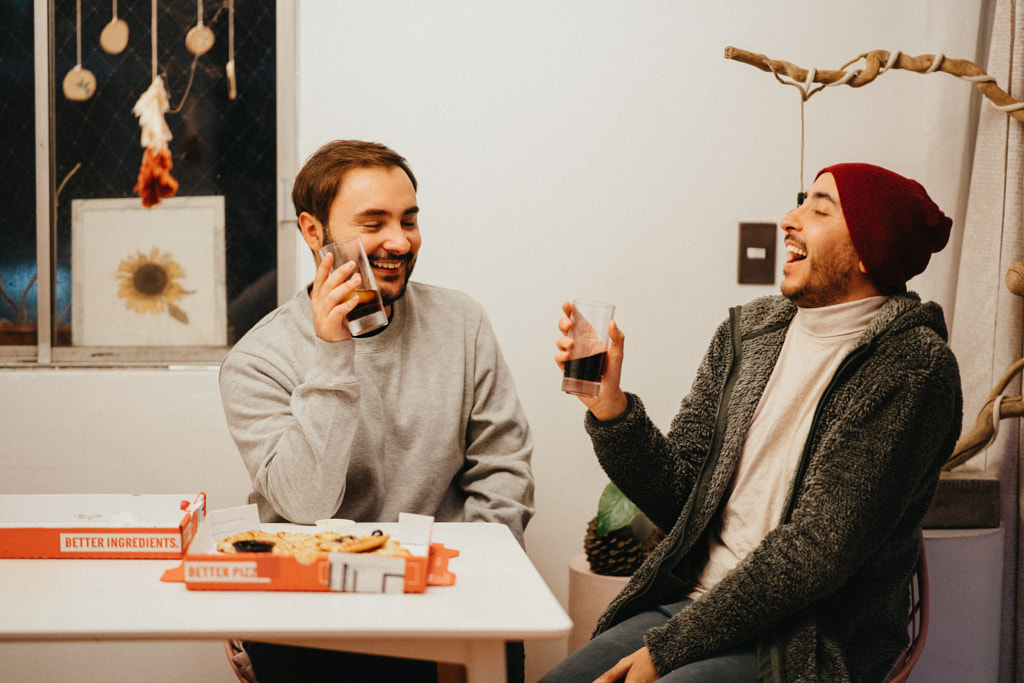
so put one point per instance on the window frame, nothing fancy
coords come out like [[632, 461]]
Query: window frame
[[44, 353]]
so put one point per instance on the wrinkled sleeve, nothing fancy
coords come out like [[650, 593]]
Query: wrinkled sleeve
[[497, 479], [295, 433], [658, 471]]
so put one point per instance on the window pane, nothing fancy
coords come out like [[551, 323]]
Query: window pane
[[17, 175], [219, 146]]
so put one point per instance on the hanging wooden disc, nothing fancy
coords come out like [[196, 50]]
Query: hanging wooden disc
[[79, 84], [199, 38], [114, 36]]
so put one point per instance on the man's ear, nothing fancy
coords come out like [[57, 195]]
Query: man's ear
[[311, 231], [860, 264]]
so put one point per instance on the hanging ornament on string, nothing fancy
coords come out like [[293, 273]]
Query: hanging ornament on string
[[199, 38], [79, 83], [155, 182], [230, 68], [114, 36]]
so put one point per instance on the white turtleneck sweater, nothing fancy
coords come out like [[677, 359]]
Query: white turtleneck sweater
[[816, 343]]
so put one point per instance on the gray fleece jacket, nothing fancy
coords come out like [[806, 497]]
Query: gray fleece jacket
[[423, 417], [824, 596]]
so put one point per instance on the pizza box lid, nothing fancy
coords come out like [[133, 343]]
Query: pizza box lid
[[98, 525]]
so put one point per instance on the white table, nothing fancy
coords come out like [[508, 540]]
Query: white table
[[498, 596]]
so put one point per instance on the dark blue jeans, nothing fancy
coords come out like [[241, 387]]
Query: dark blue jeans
[[604, 651]]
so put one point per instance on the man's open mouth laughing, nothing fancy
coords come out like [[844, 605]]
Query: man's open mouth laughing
[[795, 253]]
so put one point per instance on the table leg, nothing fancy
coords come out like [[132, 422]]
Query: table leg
[[486, 662]]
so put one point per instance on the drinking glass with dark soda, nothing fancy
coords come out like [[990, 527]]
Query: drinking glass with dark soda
[[589, 332], [369, 314]]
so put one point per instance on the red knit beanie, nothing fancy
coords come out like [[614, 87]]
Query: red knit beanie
[[894, 225]]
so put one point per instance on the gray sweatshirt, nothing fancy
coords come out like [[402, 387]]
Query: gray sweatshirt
[[423, 417]]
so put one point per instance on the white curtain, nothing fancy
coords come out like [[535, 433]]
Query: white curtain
[[987, 333]]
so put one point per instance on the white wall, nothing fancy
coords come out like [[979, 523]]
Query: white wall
[[103, 430], [117, 431], [563, 149]]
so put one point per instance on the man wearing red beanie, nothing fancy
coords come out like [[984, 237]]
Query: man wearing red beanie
[[794, 479]]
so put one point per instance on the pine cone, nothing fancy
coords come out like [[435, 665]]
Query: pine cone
[[617, 553]]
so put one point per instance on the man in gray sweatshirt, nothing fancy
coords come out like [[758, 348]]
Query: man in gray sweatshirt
[[420, 416], [794, 478]]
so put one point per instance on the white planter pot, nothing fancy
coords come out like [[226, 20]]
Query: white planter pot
[[589, 594]]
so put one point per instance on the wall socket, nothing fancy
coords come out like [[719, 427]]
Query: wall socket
[[757, 253]]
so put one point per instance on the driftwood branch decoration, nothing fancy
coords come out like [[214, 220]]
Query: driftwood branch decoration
[[997, 406], [876, 63]]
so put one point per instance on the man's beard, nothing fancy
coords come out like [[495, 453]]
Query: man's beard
[[827, 282], [390, 292]]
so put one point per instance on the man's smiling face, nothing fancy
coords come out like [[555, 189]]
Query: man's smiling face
[[822, 266], [379, 205]]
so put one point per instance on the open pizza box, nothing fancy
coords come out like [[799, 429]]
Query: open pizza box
[[99, 526], [204, 568]]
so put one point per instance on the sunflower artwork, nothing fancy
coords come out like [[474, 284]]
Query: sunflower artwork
[[151, 284]]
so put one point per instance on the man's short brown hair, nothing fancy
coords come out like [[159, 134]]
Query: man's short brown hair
[[319, 181]]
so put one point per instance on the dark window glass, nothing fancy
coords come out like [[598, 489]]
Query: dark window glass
[[17, 175], [219, 145]]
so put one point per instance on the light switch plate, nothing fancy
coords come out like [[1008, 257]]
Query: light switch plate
[[757, 253]]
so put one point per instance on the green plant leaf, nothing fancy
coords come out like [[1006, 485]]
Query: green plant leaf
[[614, 510]]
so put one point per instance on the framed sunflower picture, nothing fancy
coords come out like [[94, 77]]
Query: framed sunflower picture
[[148, 277]]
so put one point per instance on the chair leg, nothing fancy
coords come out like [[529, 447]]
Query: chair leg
[[450, 673], [239, 661]]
